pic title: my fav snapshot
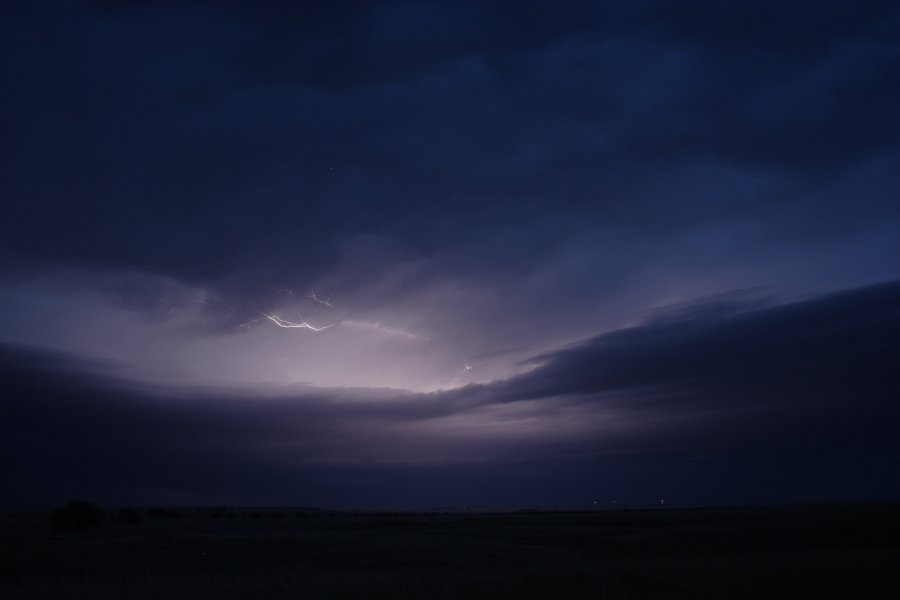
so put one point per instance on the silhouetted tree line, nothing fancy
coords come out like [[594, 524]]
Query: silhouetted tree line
[[162, 513], [80, 515], [129, 515], [77, 515]]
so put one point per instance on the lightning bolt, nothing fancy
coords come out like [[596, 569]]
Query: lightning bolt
[[291, 325], [274, 318], [313, 296]]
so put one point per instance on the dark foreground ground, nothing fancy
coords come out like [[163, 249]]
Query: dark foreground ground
[[793, 552]]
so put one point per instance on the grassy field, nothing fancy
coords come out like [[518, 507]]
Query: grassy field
[[760, 553]]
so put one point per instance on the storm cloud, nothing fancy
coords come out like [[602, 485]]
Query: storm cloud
[[537, 242], [802, 379]]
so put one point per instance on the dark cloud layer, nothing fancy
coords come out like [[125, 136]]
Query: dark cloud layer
[[810, 371], [243, 141], [849, 333], [786, 392]]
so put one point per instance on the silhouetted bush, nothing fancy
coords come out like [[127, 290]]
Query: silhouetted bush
[[77, 515], [161, 513], [129, 515]]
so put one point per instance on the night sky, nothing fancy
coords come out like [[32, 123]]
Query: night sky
[[418, 254]]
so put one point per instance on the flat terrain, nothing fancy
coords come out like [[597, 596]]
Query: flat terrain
[[791, 552]]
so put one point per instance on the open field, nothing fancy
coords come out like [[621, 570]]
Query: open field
[[754, 553]]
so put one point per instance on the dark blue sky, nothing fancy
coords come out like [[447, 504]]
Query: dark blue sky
[[401, 254]]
